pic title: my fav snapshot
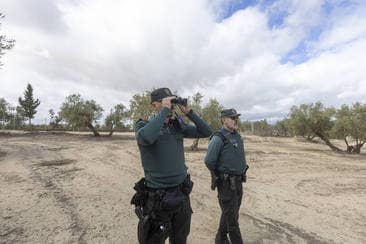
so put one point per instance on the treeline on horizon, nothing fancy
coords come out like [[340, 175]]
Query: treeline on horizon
[[314, 121]]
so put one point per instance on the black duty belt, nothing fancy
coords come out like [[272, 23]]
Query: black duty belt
[[185, 187], [226, 176], [173, 188]]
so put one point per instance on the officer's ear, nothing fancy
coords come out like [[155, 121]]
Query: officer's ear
[[154, 106]]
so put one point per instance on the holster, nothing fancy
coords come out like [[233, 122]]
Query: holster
[[139, 198], [214, 179], [244, 177], [143, 229], [187, 185]]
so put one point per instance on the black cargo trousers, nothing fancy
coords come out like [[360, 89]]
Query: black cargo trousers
[[230, 193], [163, 213], [170, 213]]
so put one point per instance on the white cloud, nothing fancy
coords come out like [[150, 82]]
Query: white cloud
[[346, 25], [109, 50]]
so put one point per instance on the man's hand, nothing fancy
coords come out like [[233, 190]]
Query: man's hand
[[166, 102], [184, 109]]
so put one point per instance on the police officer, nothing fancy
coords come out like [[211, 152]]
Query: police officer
[[225, 159], [166, 209]]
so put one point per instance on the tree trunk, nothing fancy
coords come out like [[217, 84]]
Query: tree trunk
[[329, 144], [90, 126], [194, 146], [311, 139], [357, 148], [349, 148], [354, 148], [111, 130]]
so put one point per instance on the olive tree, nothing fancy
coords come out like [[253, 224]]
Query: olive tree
[[116, 118], [4, 113], [312, 120], [196, 105], [211, 113], [140, 107], [350, 124], [80, 113]]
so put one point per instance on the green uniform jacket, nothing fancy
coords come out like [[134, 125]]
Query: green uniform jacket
[[161, 147], [226, 157]]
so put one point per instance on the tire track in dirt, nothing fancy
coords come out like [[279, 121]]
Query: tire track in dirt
[[284, 232], [62, 199], [51, 174]]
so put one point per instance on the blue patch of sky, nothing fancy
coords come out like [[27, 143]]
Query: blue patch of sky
[[302, 52], [276, 16], [297, 55], [328, 7], [275, 20], [231, 7]]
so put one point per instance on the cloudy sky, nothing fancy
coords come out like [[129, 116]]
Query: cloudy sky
[[259, 56]]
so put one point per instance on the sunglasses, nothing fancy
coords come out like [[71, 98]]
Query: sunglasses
[[234, 118]]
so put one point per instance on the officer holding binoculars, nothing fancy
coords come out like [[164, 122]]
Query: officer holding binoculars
[[162, 196]]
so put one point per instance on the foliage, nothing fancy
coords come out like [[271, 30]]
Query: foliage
[[116, 118], [299, 121], [4, 112], [29, 104], [79, 113], [282, 128], [210, 113], [196, 103], [5, 43], [262, 128], [55, 119], [140, 107], [310, 120], [350, 123]]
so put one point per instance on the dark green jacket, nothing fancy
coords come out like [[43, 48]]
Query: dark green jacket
[[161, 147], [226, 157]]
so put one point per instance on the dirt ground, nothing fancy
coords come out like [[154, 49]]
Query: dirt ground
[[60, 188]]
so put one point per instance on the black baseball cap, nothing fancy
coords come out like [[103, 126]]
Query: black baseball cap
[[229, 113], [158, 94]]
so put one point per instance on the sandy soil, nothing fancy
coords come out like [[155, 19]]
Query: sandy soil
[[59, 188]]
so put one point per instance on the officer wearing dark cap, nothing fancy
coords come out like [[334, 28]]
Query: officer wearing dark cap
[[225, 159], [163, 205]]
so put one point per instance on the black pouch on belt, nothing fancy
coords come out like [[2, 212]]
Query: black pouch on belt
[[171, 200], [232, 180]]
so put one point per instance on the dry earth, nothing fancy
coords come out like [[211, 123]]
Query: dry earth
[[62, 188]]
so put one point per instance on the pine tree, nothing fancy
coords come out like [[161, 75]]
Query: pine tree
[[29, 105]]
